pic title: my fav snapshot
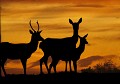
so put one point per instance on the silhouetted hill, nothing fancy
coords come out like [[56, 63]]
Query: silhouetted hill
[[68, 76]]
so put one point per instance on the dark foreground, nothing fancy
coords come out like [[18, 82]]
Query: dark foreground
[[64, 76]]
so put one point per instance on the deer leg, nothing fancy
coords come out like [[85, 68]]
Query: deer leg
[[24, 65], [44, 59], [41, 62], [70, 66], [54, 65], [75, 65], [50, 67], [0, 67], [2, 64], [45, 62], [66, 66]]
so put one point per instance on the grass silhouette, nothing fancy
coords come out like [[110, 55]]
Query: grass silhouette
[[106, 67], [67, 76]]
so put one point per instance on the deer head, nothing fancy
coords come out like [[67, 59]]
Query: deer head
[[83, 39], [35, 34], [75, 24]]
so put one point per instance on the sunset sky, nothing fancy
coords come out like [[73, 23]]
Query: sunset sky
[[101, 20]]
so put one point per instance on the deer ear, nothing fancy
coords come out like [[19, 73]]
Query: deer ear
[[80, 20], [70, 21], [79, 36], [31, 31], [85, 35], [40, 31]]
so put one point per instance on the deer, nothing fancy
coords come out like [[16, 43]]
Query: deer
[[75, 55], [20, 51], [59, 48], [78, 51]]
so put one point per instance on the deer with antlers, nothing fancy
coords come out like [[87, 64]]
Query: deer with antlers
[[20, 51], [59, 48]]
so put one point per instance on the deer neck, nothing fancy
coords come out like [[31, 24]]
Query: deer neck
[[81, 47], [33, 44], [75, 35]]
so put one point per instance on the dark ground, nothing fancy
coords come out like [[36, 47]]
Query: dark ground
[[66, 76]]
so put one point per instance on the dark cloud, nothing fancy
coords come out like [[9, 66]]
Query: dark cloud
[[57, 27], [90, 5], [56, 10], [103, 30], [18, 71], [89, 60], [117, 38], [108, 38], [37, 63], [82, 62], [12, 61], [13, 71], [106, 27], [42, 1], [33, 64], [64, 1], [114, 10], [15, 61]]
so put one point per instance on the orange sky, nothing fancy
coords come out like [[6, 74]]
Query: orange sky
[[101, 20]]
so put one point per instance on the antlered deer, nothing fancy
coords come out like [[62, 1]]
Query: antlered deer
[[59, 48], [20, 51], [75, 55]]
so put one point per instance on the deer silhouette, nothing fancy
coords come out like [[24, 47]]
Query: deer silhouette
[[78, 51], [59, 48], [74, 56], [20, 51]]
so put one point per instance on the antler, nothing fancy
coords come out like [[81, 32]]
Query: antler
[[38, 25], [31, 26]]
